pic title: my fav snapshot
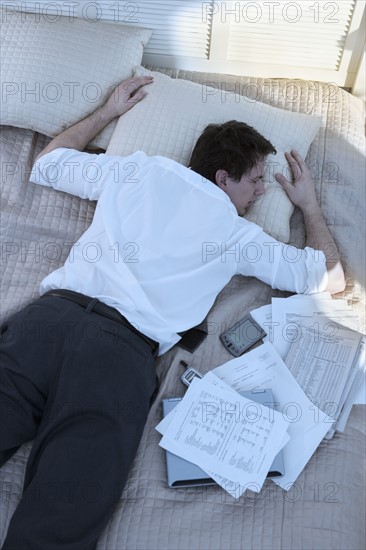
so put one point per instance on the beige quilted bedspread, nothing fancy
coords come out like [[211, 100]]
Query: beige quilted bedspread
[[326, 507]]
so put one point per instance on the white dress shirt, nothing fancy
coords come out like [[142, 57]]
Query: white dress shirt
[[164, 241]]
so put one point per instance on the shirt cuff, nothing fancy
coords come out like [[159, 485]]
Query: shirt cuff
[[316, 267]]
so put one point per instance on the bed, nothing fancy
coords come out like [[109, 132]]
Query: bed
[[326, 506]]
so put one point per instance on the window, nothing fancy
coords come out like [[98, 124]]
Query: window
[[318, 40]]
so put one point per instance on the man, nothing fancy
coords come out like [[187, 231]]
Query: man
[[157, 270]]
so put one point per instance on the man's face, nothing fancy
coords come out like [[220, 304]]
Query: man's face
[[244, 192]]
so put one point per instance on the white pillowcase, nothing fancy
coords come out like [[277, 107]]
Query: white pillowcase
[[171, 117], [54, 73]]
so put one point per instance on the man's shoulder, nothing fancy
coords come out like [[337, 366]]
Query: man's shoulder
[[175, 168], [166, 161], [178, 167]]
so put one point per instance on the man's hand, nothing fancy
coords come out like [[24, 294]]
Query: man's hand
[[123, 98], [301, 190], [126, 95]]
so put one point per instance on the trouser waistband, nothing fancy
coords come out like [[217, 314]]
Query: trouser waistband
[[93, 304]]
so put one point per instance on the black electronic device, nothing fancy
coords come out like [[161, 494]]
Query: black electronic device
[[242, 336]]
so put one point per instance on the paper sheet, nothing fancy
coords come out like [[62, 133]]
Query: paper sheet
[[263, 314], [289, 315], [209, 377], [235, 488]]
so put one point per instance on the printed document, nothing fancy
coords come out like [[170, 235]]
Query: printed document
[[329, 366], [263, 315], [289, 315]]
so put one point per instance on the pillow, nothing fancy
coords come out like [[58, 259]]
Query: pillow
[[56, 70], [173, 114]]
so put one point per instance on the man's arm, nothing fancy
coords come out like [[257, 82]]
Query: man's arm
[[301, 192], [124, 97]]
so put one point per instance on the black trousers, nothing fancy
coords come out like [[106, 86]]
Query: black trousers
[[80, 385]]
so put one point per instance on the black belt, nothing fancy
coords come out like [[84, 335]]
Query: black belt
[[93, 304]]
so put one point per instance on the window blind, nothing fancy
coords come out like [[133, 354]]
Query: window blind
[[318, 40], [180, 28], [302, 33]]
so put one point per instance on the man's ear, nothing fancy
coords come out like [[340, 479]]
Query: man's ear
[[220, 179]]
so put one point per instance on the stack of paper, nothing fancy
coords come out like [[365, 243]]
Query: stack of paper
[[317, 338], [314, 366], [213, 428]]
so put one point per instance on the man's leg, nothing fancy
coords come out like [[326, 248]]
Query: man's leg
[[29, 352], [91, 427]]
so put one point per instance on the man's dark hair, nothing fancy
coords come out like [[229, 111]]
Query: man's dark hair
[[233, 146]]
